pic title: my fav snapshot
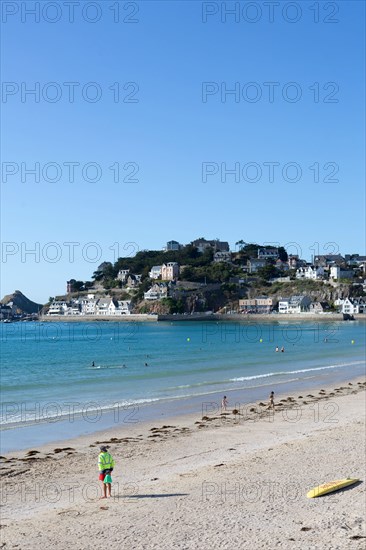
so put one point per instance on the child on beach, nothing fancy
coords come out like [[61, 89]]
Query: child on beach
[[224, 403], [105, 465]]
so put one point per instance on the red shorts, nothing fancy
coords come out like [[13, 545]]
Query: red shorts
[[104, 473]]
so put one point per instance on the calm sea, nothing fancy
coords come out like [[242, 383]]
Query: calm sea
[[52, 372]]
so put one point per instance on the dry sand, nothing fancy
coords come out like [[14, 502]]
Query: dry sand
[[230, 481]]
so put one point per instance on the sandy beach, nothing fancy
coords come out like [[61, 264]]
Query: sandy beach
[[223, 481]]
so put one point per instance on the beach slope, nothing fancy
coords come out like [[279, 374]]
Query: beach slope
[[231, 481]]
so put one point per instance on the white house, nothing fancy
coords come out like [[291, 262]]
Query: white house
[[328, 260], [58, 307], [337, 273], [348, 307], [155, 272], [295, 304], [283, 305], [222, 256], [74, 308], [173, 245], [268, 253], [169, 271], [310, 272], [133, 280], [318, 307], [354, 260], [5, 311], [124, 307], [293, 260], [352, 306], [156, 292], [91, 306], [88, 305], [202, 245], [104, 307], [254, 264], [123, 274]]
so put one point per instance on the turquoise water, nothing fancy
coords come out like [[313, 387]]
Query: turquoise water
[[47, 369]]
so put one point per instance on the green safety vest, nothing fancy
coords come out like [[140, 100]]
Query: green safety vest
[[105, 461]]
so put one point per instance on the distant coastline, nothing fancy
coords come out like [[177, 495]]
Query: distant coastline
[[199, 317]]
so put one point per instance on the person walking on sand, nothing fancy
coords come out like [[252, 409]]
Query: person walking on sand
[[105, 465], [271, 401], [224, 403]]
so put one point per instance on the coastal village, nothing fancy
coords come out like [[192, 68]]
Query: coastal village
[[206, 277]]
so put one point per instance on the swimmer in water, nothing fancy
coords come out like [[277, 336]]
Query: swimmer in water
[[93, 364]]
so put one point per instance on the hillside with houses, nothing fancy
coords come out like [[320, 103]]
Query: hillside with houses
[[206, 276]]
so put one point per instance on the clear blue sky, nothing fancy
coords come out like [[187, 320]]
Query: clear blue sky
[[170, 132]]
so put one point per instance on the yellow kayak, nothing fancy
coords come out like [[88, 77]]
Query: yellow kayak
[[330, 487]]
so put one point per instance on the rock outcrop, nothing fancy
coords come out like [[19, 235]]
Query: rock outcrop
[[22, 303]]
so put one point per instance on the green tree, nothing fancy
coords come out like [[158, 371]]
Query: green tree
[[282, 254], [241, 244], [78, 286], [267, 272]]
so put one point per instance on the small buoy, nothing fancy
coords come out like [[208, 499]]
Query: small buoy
[[352, 341], [188, 339], [261, 340]]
